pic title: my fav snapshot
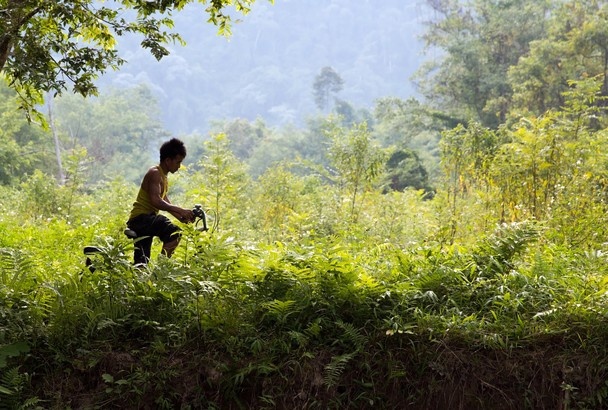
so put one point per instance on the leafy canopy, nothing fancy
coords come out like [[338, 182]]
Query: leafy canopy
[[49, 46]]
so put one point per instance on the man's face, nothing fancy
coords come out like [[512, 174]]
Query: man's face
[[174, 163]]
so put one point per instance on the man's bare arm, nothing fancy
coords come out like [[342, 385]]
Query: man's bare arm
[[153, 185]]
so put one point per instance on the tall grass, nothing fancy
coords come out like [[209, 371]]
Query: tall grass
[[390, 311]]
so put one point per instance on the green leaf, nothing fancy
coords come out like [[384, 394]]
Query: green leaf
[[12, 350]]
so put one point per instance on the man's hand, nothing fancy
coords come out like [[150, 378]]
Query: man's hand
[[184, 215]]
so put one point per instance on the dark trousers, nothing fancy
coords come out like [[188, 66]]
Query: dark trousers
[[143, 246], [146, 227]]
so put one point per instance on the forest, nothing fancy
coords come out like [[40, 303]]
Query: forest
[[447, 251], [268, 65]]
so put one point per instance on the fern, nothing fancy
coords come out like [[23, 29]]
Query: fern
[[353, 335], [281, 309], [15, 269], [495, 255], [335, 368], [12, 383]]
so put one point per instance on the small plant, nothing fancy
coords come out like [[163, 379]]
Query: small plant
[[13, 383]]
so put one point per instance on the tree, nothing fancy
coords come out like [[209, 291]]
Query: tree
[[279, 195], [404, 169], [481, 40], [118, 129], [467, 152], [576, 47], [556, 159], [326, 84], [357, 159], [243, 135], [48, 46], [23, 147], [225, 177]]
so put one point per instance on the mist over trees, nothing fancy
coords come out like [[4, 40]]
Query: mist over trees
[[268, 66]]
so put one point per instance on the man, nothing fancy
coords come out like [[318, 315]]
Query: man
[[152, 197]]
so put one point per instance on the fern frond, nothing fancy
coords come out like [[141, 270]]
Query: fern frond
[[335, 368], [496, 253], [10, 377], [353, 335], [298, 337], [15, 268], [31, 403], [11, 383], [280, 309]]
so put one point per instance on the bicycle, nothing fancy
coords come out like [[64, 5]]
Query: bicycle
[[200, 216]]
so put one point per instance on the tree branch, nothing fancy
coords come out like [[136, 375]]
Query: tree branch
[[11, 32]]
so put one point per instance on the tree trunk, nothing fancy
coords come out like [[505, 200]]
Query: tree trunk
[[60, 173], [5, 48]]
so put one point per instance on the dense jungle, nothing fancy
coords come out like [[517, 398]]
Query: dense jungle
[[446, 250]]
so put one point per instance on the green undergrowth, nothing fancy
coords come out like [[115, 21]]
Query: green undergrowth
[[325, 321]]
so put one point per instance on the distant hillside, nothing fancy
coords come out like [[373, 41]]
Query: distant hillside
[[267, 68]]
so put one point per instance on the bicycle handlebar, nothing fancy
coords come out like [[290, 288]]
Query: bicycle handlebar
[[199, 213]]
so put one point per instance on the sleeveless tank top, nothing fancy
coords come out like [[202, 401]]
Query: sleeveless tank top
[[142, 204]]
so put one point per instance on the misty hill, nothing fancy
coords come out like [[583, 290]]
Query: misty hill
[[267, 68]]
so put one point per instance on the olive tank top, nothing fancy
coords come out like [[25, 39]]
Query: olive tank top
[[142, 204]]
